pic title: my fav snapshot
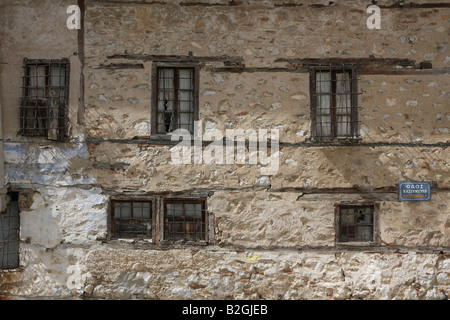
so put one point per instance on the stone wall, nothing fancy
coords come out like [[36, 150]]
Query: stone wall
[[272, 236], [124, 272]]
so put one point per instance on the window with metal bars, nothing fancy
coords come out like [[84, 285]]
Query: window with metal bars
[[176, 95], [333, 102], [356, 223], [132, 219], [9, 234], [45, 96], [184, 220], [159, 218]]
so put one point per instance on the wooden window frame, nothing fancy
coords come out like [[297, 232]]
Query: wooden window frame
[[158, 202], [155, 93], [354, 132], [168, 237], [132, 201], [375, 241], [10, 226], [28, 102]]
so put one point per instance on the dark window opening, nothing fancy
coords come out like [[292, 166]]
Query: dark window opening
[[356, 223], [132, 219], [9, 234], [333, 103], [44, 104], [184, 220]]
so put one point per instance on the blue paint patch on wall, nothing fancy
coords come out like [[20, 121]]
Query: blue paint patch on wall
[[43, 164]]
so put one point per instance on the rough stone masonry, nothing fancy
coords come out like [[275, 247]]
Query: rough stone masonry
[[255, 65]]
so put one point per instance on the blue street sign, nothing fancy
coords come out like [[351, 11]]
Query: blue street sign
[[414, 191]]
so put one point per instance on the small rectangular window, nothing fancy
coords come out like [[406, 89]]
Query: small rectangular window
[[44, 105], [333, 103], [356, 223], [184, 220], [132, 219], [9, 234], [176, 95]]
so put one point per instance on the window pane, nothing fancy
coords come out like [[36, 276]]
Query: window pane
[[343, 125], [190, 210], [324, 126], [343, 93], [184, 221], [198, 211], [343, 104], [57, 76], [364, 233], [356, 223], [123, 209], [178, 210], [137, 210], [323, 82], [323, 107], [136, 223], [146, 210], [166, 99], [9, 236], [170, 209], [36, 82], [186, 79], [186, 121], [186, 101], [347, 219]]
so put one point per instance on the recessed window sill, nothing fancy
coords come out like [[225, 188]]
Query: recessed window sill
[[130, 240], [336, 141], [357, 244], [182, 243], [162, 244]]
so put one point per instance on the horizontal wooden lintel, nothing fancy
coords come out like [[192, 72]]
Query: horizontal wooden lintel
[[120, 66], [404, 71], [364, 63], [227, 60], [243, 69], [402, 5]]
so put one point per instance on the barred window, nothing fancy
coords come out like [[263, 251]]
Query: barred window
[[132, 219], [184, 220], [176, 96], [44, 104], [356, 223], [333, 103], [159, 218], [9, 234]]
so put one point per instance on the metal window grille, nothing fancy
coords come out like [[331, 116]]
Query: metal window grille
[[45, 96], [132, 219], [356, 223], [9, 235], [184, 220], [175, 102], [333, 102]]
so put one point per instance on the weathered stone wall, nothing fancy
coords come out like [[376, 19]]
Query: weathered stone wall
[[124, 272], [274, 235]]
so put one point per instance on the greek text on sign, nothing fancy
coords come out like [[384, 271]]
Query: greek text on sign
[[414, 191]]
